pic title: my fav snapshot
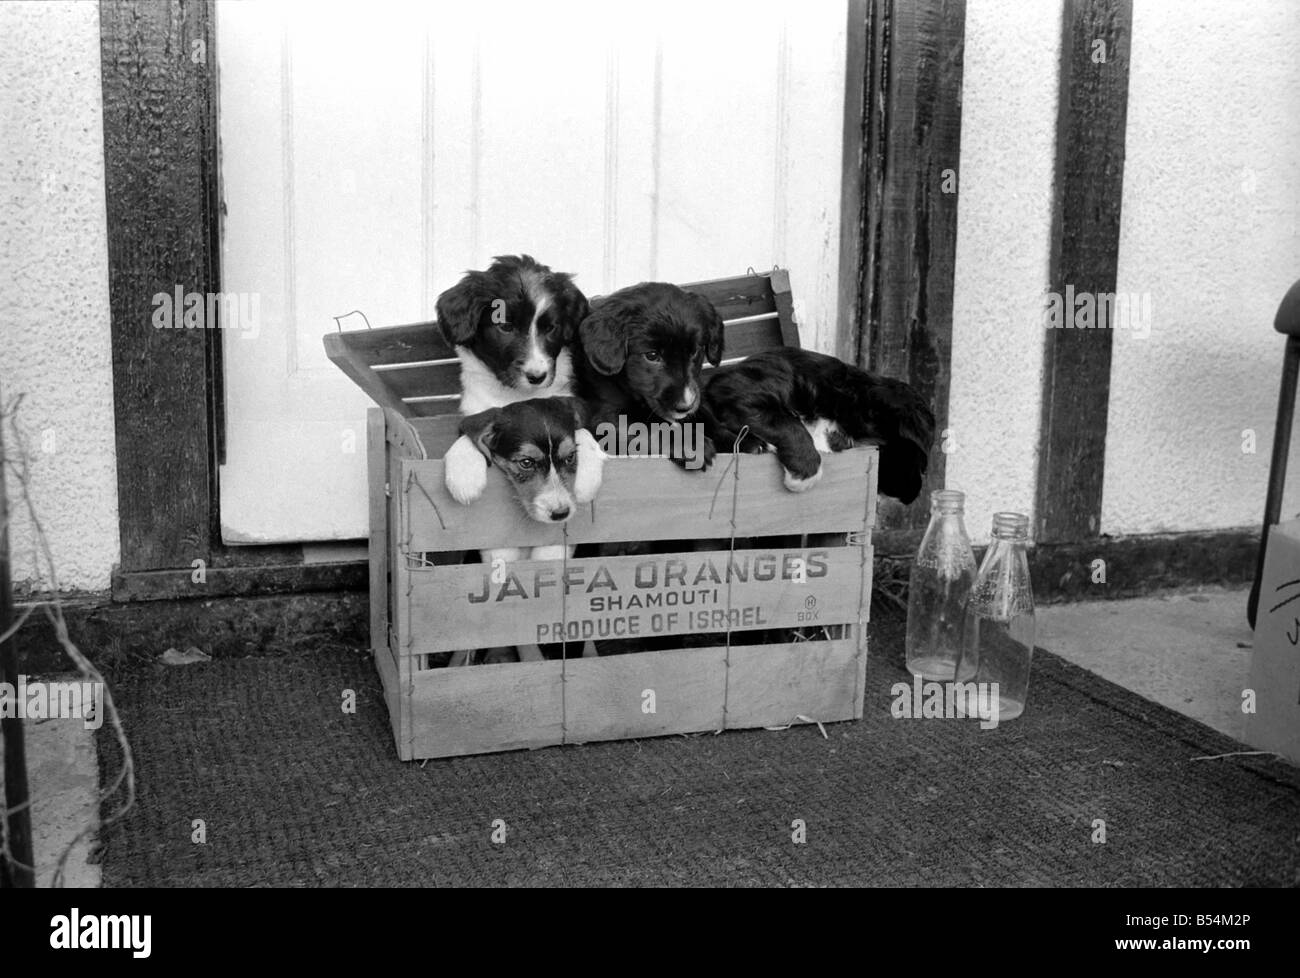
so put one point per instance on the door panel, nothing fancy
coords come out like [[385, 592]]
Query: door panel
[[373, 152]]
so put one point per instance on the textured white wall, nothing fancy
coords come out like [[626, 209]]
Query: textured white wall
[[1008, 133], [54, 322], [1211, 208], [1209, 229]]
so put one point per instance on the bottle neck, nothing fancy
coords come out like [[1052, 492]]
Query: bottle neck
[[1011, 528]]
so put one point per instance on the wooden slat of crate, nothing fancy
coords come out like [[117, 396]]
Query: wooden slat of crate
[[526, 606], [606, 697], [376, 478], [396, 344], [399, 447], [636, 494], [482, 709], [747, 338], [773, 685], [397, 697], [340, 348], [744, 295], [422, 378]]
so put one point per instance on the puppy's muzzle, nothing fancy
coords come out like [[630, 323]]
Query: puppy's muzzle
[[686, 402]]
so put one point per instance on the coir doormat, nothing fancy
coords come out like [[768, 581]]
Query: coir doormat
[[250, 773]]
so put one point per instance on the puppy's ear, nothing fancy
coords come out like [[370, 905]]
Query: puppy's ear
[[591, 457], [460, 308], [481, 429], [572, 306], [465, 466], [713, 330], [604, 337], [904, 458], [916, 424]]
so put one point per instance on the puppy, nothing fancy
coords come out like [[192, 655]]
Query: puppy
[[643, 350], [512, 327], [551, 461], [802, 404]]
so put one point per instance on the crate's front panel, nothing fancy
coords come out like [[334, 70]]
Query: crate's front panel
[[480, 709], [481, 605], [648, 499], [774, 685], [395, 698], [644, 694]]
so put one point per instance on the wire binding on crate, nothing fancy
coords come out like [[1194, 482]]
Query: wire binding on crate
[[412, 480], [354, 312], [734, 467], [564, 637]]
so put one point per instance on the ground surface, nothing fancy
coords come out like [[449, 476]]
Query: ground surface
[[291, 791]]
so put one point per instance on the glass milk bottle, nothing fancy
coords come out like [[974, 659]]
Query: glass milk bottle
[[998, 639], [942, 575]]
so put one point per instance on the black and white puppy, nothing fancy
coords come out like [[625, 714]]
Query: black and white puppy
[[512, 326], [802, 404], [552, 463], [643, 350]]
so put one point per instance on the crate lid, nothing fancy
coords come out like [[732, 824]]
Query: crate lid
[[413, 371]]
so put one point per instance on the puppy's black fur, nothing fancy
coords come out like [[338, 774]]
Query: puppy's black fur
[[642, 351], [779, 392], [516, 318]]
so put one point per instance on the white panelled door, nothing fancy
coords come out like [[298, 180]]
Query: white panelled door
[[371, 152]]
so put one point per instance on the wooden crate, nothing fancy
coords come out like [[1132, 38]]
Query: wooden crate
[[423, 601]]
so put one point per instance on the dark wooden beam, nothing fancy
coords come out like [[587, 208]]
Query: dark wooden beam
[[159, 160], [17, 864], [1085, 247], [1131, 566], [857, 78], [243, 581], [906, 190]]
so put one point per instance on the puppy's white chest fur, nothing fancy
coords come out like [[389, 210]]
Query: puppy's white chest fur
[[480, 389], [821, 430]]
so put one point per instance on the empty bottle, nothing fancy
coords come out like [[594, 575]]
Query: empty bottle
[[998, 635], [941, 579]]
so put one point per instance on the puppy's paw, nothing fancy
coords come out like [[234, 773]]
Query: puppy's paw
[[699, 458], [839, 441], [709, 451], [591, 467], [550, 552], [797, 484], [465, 471]]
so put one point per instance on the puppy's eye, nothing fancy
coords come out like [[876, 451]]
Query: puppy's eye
[[570, 460], [524, 462], [504, 326], [652, 356]]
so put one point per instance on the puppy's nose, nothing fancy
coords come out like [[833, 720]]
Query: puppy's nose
[[560, 514], [685, 402], [535, 378]]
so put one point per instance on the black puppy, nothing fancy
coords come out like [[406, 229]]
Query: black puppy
[[643, 349], [802, 403]]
